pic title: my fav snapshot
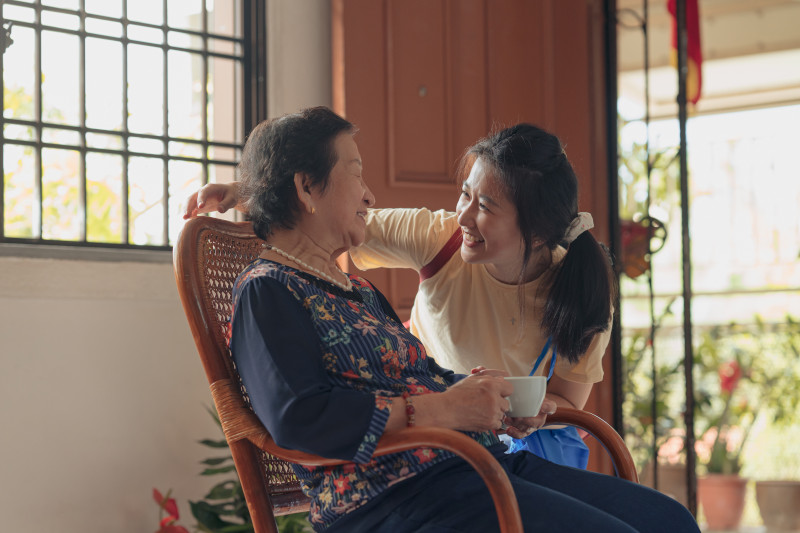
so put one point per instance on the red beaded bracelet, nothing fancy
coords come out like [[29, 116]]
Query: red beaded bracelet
[[410, 411]]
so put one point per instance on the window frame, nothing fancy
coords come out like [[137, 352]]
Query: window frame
[[252, 94]]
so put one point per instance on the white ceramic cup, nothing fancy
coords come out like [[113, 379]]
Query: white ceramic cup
[[528, 395]]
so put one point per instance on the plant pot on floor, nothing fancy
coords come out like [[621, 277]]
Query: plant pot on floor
[[722, 499], [779, 503]]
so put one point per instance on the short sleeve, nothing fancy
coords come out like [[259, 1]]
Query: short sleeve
[[589, 369]]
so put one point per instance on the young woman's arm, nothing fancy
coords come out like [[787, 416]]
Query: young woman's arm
[[568, 393]]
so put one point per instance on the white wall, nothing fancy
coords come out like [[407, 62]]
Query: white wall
[[298, 55], [102, 395]]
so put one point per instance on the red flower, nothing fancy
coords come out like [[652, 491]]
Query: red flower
[[350, 374], [729, 374], [342, 484], [416, 390], [424, 455], [412, 355], [167, 504], [172, 529]]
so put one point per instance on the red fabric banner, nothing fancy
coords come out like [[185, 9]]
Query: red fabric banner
[[694, 54]]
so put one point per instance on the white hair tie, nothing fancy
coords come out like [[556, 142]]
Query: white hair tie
[[579, 224]]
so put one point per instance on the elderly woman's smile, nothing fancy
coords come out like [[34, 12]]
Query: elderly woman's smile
[[343, 205]]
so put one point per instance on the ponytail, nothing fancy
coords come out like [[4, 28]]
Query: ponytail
[[579, 302], [539, 179]]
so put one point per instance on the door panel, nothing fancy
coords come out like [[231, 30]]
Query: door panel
[[417, 93]]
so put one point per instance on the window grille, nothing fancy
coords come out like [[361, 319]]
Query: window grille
[[114, 111]]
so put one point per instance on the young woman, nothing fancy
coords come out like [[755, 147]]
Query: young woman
[[530, 290]]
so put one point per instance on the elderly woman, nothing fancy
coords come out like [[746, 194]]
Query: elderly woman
[[329, 367]]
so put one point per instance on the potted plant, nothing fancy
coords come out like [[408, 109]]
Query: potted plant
[[757, 375], [778, 497], [722, 490]]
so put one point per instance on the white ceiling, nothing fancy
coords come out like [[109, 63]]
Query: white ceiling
[[751, 54]]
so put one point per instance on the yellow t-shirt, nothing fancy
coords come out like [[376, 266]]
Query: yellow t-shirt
[[464, 316]]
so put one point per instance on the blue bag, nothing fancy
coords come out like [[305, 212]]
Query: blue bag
[[563, 446]]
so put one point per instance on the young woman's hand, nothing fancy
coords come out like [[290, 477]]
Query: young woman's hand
[[519, 428], [212, 197], [483, 371]]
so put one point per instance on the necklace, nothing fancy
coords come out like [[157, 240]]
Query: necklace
[[344, 286]]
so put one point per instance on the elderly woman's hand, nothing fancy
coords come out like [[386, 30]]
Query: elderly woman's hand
[[478, 402], [519, 428], [212, 197]]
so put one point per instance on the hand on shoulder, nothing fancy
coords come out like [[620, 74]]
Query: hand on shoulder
[[212, 197]]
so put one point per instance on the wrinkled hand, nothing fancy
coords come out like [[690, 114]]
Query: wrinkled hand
[[212, 197], [478, 402], [519, 428]]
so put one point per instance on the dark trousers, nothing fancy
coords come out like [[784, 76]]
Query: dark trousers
[[451, 497]]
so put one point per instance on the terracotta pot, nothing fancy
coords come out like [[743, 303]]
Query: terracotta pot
[[722, 499], [779, 503]]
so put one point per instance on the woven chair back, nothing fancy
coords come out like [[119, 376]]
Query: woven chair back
[[210, 254]]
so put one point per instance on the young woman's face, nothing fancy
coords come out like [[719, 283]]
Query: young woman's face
[[347, 197], [488, 220]]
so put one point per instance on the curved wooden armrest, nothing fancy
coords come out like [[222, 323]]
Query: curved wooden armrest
[[605, 435], [239, 423]]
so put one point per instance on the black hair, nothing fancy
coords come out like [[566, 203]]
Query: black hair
[[541, 183], [278, 148]]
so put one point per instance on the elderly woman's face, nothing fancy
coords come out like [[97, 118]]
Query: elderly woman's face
[[345, 202]]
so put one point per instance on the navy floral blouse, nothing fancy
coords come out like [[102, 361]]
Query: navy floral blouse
[[320, 365]]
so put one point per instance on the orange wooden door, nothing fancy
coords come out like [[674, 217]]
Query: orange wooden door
[[425, 79]]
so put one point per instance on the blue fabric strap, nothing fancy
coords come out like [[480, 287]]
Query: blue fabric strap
[[541, 357], [562, 446]]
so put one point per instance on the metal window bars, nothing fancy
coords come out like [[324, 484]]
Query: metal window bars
[[236, 49]]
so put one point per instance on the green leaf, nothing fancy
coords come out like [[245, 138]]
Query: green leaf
[[237, 528], [208, 517], [214, 415], [293, 523], [220, 470], [222, 491], [215, 460]]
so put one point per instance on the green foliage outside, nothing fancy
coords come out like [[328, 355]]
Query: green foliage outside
[[632, 172], [765, 399], [60, 194], [638, 394], [766, 394]]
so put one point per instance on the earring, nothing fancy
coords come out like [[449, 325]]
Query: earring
[[313, 210]]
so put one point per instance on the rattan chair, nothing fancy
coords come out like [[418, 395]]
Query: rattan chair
[[209, 255]]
